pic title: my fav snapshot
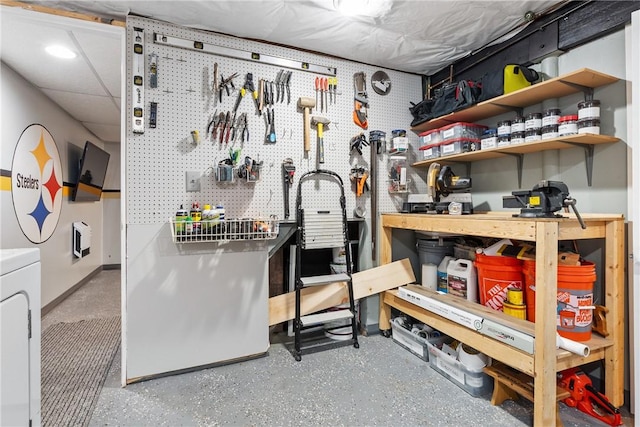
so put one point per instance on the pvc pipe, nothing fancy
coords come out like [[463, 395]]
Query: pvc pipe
[[572, 346], [550, 158]]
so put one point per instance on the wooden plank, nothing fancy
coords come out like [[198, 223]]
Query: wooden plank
[[614, 301], [545, 326], [492, 348], [365, 283], [59, 12]]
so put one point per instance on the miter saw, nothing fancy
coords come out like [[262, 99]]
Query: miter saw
[[542, 201], [446, 193]]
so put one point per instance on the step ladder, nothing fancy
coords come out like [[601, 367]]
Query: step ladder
[[322, 229]]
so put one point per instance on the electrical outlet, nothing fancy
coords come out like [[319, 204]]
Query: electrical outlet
[[193, 181]]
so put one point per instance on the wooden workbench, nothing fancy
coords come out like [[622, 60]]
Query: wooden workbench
[[546, 360]]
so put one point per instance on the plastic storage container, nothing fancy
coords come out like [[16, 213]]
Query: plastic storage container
[[568, 125], [430, 137], [533, 122], [459, 130], [460, 145], [550, 116], [591, 125], [414, 342], [489, 139], [518, 124], [549, 131], [517, 137], [589, 109], [431, 151], [472, 380]]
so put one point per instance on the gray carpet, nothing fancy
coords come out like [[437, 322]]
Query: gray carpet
[[75, 362]]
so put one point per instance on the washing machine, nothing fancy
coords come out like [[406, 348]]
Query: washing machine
[[20, 337]]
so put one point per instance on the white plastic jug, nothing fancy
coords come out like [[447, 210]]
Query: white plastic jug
[[461, 279], [442, 273], [430, 276]]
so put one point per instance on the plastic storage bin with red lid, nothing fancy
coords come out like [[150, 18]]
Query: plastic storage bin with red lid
[[461, 130], [459, 145], [430, 137], [431, 151]]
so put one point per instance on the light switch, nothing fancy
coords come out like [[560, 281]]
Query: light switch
[[193, 181]]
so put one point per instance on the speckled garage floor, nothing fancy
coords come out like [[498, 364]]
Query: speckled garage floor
[[378, 384]]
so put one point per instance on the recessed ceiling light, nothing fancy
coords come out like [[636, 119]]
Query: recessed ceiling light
[[60, 52]]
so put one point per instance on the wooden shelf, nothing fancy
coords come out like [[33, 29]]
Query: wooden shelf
[[546, 233], [528, 147], [512, 356], [583, 80]]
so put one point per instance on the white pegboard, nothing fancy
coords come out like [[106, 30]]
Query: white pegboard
[[158, 159]]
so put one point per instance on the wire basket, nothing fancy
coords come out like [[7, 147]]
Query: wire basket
[[225, 230]]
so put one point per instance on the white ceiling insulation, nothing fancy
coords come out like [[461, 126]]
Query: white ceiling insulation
[[414, 36]]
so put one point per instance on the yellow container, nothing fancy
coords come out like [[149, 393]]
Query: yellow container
[[515, 296], [514, 78], [517, 311]]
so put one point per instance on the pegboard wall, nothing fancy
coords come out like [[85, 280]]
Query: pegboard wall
[[157, 159]]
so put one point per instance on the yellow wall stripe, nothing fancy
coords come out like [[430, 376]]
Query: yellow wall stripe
[[5, 185]]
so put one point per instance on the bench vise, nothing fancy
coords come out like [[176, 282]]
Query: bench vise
[[542, 201]]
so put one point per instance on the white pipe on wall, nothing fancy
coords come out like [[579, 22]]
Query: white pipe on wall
[[550, 158]]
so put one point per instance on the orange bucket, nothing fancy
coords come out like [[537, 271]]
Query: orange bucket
[[496, 274], [575, 290]]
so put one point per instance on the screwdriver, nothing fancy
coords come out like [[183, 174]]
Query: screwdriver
[[317, 88], [325, 88]]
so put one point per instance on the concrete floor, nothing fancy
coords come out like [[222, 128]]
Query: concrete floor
[[378, 384]]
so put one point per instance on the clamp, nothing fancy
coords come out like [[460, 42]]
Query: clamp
[[359, 175], [357, 142]]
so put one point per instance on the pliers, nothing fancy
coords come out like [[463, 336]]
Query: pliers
[[271, 126], [225, 83], [247, 87], [213, 124], [286, 85], [241, 128]]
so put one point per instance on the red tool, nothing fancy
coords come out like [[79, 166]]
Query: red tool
[[317, 88], [586, 398], [325, 90]]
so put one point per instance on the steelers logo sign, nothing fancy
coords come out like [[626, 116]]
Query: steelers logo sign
[[36, 183]]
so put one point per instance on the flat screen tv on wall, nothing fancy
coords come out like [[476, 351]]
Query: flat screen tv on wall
[[93, 170]]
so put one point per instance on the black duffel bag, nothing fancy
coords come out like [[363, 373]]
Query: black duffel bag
[[455, 96], [447, 98]]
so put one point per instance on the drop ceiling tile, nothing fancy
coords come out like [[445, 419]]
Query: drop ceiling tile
[[105, 55], [86, 108], [23, 49], [107, 133]]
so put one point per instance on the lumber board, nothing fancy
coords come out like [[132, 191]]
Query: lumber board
[[365, 283]]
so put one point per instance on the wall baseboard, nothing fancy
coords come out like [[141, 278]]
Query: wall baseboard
[[47, 308], [111, 266]]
